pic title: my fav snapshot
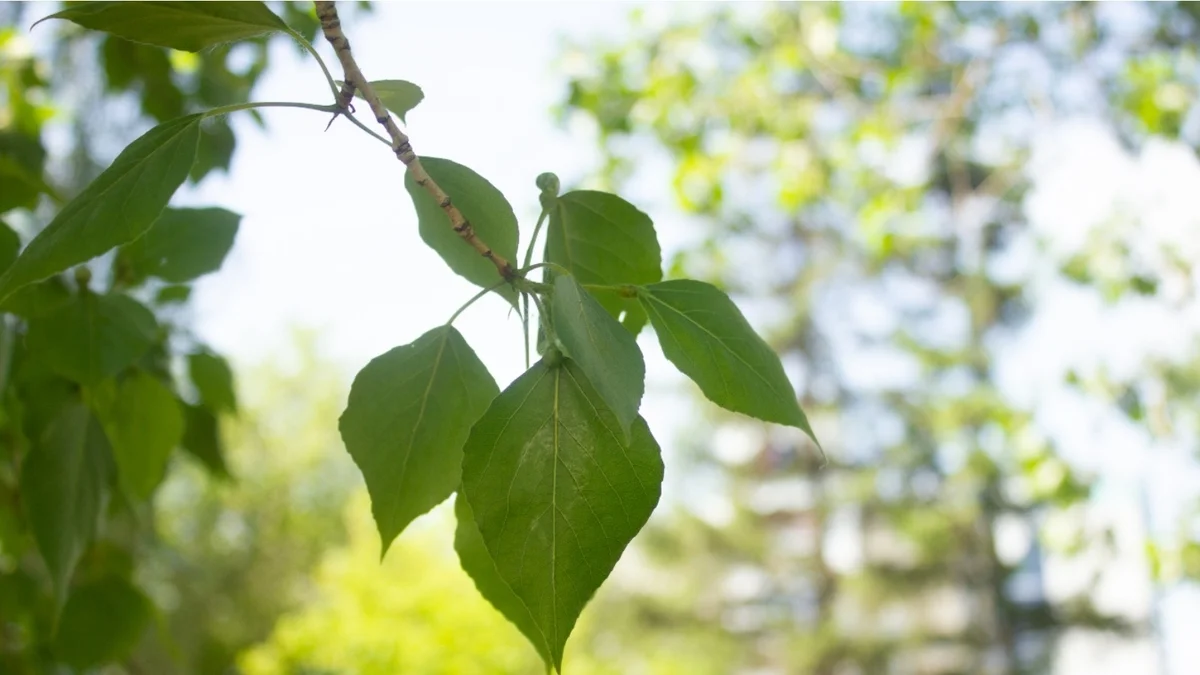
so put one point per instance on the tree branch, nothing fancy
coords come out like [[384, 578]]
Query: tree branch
[[331, 26]]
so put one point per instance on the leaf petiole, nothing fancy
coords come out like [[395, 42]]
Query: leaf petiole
[[475, 297], [330, 108], [320, 61]]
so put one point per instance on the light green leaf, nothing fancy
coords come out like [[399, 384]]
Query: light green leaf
[[143, 423], [705, 335], [604, 351], [188, 26], [202, 438], [102, 622], [118, 207], [482, 205], [181, 245], [177, 294], [557, 493], [214, 380], [409, 413], [477, 563], [603, 239], [399, 96], [64, 487], [93, 336]]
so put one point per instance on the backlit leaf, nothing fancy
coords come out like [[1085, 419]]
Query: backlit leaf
[[93, 336], [482, 205], [143, 423], [603, 350], [556, 492], [214, 380], [603, 239], [409, 413], [181, 245], [64, 486], [708, 339], [102, 622], [398, 96], [477, 563], [118, 207], [202, 438], [188, 26]]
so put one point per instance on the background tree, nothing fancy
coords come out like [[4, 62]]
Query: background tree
[[865, 169]]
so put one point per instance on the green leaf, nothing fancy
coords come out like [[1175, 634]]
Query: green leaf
[[409, 413], [173, 294], [482, 204], [118, 207], [144, 424], [64, 486], [202, 438], [93, 336], [557, 493], [477, 563], [181, 245], [22, 159], [604, 351], [10, 245], [214, 380], [399, 96], [188, 26], [39, 299], [603, 239], [705, 335], [102, 622]]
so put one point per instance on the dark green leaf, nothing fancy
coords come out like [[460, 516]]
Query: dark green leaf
[[93, 336], [64, 486], [144, 424], [119, 206], [556, 492], [409, 413], [10, 245], [181, 245], [202, 438], [102, 622], [398, 96], [188, 26], [215, 151], [22, 159], [482, 204], [477, 563], [603, 239], [604, 351], [214, 380], [39, 299], [705, 335]]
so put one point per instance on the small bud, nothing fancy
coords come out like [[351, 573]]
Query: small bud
[[548, 184], [83, 277]]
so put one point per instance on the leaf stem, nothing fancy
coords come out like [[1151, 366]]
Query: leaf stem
[[333, 88], [331, 26], [475, 297], [329, 108], [533, 240]]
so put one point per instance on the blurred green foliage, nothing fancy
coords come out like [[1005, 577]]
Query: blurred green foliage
[[863, 169]]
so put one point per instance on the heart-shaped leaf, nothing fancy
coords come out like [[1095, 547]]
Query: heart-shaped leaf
[[409, 413], [557, 493]]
